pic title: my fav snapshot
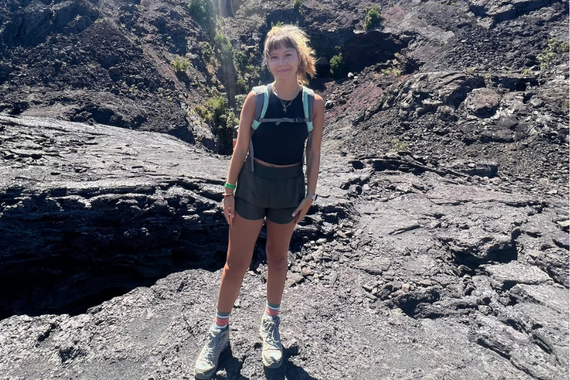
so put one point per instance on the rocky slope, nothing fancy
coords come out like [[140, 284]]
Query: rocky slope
[[438, 248], [106, 62]]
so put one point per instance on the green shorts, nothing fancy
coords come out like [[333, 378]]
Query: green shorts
[[267, 192]]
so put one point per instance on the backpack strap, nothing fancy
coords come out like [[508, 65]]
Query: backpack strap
[[261, 104], [278, 121], [308, 105]]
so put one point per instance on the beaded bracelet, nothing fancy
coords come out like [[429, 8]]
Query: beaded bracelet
[[228, 194]]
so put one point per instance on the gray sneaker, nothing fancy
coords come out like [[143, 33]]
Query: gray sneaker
[[207, 361], [272, 350]]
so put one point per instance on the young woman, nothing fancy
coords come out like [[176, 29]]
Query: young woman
[[269, 188]]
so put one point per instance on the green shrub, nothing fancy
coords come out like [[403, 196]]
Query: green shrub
[[297, 4], [204, 12], [198, 10], [218, 105], [225, 131], [242, 85], [392, 71], [180, 64], [211, 111], [223, 48], [240, 59], [208, 54], [373, 16], [551, 53], [221, 120], [338, 66], [399, 146]]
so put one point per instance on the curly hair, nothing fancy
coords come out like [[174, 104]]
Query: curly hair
[[291, 36]]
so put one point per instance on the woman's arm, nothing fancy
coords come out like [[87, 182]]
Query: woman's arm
[[240, 151], [313, 157]]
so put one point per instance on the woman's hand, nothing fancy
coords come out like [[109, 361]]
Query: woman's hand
[[304, 206], [228, 205]]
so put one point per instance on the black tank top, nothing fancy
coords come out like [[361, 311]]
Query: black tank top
[[281, 144]]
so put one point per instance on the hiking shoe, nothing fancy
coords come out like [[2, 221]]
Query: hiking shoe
[[207, 361], [272, 350]]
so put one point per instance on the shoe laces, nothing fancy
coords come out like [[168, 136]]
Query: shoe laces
[[212, 346], [271, 327]]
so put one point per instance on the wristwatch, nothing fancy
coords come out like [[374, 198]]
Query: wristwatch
[[313, 197]]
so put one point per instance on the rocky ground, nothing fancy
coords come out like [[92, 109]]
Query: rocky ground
[[439, 246], [400, 271]]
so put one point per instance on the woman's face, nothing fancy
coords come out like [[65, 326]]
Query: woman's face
[[283, 62]]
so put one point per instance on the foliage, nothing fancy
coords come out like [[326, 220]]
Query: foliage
[[221, 120], [213, 109], [338, 66], [203, 12], [399, 146], [297, 4], [393, 71], [219, 54], [247, 72], [551, 53], [396, 66], [208, 54], [180, 64], [223, 48], [373, 16], [232, 66], [242, 85], [240, 59]]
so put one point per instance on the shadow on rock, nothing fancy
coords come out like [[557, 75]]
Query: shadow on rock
[[230, 364], [288, 370]]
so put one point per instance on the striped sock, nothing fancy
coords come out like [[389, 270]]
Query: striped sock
[[222, 319], [271, 309]]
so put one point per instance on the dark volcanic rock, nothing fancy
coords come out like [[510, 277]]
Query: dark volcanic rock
[[105, 62], [427, 269], [439, 246], [79, 200], [448, 117]]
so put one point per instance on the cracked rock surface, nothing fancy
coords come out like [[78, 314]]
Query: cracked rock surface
[[398, 272]]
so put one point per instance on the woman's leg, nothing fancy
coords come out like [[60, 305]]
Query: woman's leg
[[277, 246], [243, 235]]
